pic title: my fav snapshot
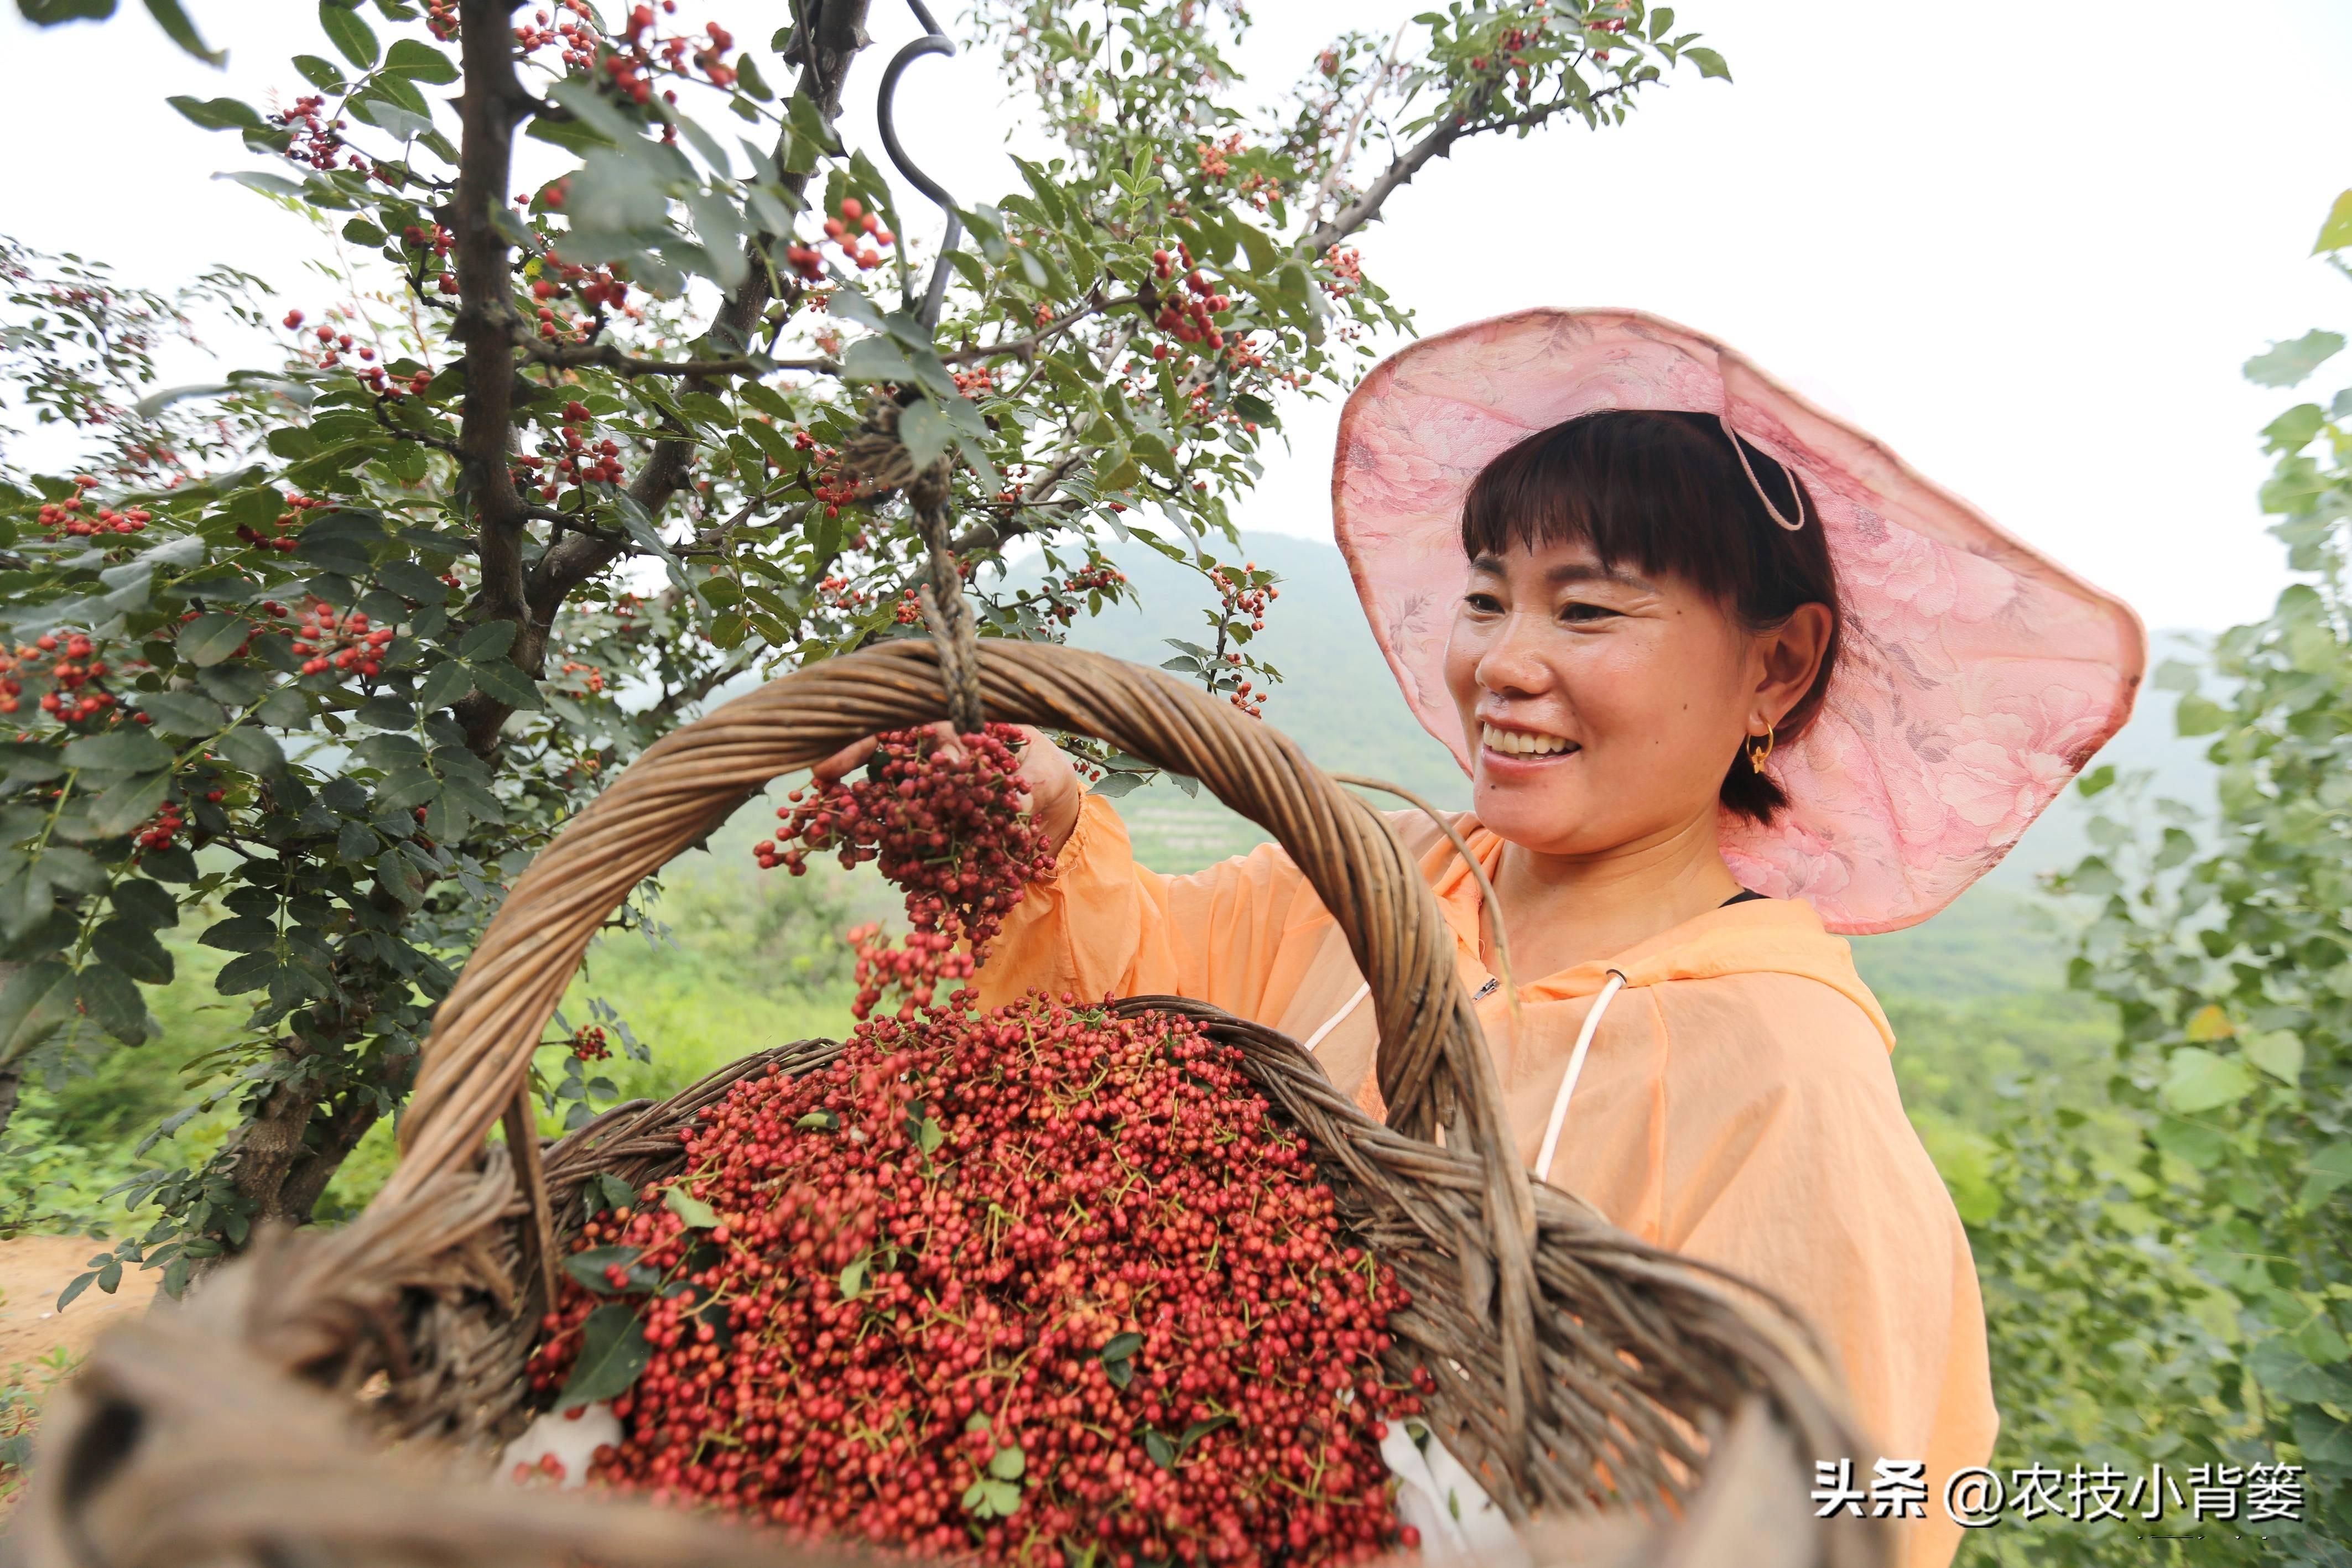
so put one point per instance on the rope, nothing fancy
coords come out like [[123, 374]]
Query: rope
[[879, 460]]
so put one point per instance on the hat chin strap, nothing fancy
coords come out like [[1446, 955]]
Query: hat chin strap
[[1796, 495]]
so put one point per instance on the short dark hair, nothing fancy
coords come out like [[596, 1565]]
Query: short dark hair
[[1663, 491]]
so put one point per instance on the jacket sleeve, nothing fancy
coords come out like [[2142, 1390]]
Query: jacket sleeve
[[1104, 925], [1795, 1167]]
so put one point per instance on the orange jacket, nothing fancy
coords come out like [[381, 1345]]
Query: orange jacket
[[1737, 1104]]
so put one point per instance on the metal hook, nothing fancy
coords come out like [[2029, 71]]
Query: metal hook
[[934, 41]]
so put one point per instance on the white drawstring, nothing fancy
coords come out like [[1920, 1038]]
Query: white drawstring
[[1575, 1067], [1333, 1021]]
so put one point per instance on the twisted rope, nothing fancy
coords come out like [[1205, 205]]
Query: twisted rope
[[879, 459]]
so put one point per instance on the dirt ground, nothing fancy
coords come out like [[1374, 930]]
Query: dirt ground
[[33, 1270]]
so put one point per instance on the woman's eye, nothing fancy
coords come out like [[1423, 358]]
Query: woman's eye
[[1577, 610], [1485, 603]]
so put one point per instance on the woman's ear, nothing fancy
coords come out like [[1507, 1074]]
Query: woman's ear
[[1791, 657]]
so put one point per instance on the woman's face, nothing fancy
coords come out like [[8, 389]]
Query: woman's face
[[1602, 706]]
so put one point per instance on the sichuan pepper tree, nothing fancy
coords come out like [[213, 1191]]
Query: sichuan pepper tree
[[547, 469]]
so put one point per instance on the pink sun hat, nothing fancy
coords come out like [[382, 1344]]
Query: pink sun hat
[[1977, 676]]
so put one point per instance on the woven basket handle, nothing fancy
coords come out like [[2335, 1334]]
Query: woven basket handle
[[1433, 1069]]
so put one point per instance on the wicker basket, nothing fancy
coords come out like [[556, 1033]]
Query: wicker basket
[[1577, 1369]]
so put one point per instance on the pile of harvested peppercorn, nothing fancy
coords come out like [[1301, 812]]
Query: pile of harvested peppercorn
[[943, 821], [1043, 1285]]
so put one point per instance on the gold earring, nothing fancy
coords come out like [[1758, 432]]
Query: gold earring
[[1757, 754]]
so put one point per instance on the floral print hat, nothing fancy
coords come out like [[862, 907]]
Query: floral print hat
[[1977, 676]]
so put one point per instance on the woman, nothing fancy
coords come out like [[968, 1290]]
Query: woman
[[1711, 697]]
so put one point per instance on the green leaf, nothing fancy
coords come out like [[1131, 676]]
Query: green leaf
[[698, 1214], [182, 713], [748, 76], [2199, 716], [589, 1267], [2200, 1081], [1200, 1429], [251, 750], [129, 803], [1007, 1464], [112, 1002], [875, 360], [853, 1279], [1709, 62], [498, 679], [211, 638], [411, 57], [445, 683], [990, 1498], [2278, 1052], [219, 113], [575, 137], [322, 74], [268, 185], [490, 640], [2293, 431], [37, 999], [924, 430], [128, 750], [1122, 1347], [604, 1190], [352, 37], [182, 32], [1163, 1451], [50, 13], [613, 1355], [2288, 363], [2330, 1169], [1116, 470], [2336, 231], [132, 947], [137, 899], [818, 1122]]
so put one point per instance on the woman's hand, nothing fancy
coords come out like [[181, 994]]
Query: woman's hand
[[1049, 785]]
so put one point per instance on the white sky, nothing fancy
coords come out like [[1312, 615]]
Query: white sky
[[2027, 250]]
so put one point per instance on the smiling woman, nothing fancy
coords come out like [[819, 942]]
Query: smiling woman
[[1703, 683]]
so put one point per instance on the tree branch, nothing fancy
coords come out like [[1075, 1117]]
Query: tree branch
[[836, 31], [1438, 143], [608, 356], [493, 103]]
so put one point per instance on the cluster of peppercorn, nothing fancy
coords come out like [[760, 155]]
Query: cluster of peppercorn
[[572, 25], [78, 697], [576, 459], [1035, 1286], [855, 231], [590, 1043], [1347, 269], [1190, 317], [279, 538], [328, 640], [944, 824], [632, 57], [81, 517], [1244, 595], [432, 247], [163, 831], [1060, 602], [317, 141]]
